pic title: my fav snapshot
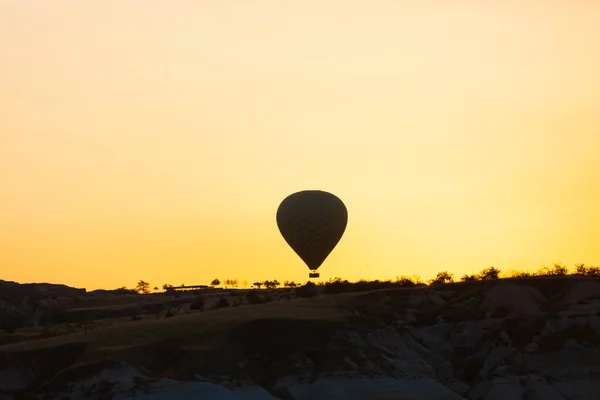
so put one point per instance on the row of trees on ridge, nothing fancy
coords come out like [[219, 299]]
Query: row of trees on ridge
[[490, 273]]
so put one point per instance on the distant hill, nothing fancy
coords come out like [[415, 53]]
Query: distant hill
[[16, 293]]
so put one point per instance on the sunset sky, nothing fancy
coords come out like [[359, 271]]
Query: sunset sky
[[155, 139]]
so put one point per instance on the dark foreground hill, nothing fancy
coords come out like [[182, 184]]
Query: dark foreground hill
[[500, 339]]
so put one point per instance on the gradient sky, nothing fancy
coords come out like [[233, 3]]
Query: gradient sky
[[155, 139]]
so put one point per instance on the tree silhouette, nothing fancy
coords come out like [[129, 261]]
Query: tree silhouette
[[489, 273], [231, 282], [215, 282], [559, 270], [142, 287], [556, 270], [580, 269], [442, 277], [593, 271], [257, 284], [271, 284]]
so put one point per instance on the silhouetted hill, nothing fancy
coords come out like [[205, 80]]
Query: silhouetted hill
[[536, 338], [17, 293]]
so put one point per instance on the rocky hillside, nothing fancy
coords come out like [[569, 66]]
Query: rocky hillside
[[20, 303], [502, 339]]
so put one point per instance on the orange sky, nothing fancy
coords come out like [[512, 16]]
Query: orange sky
[[155, 139]]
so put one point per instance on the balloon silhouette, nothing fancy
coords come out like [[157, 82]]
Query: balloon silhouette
[[312, 222]]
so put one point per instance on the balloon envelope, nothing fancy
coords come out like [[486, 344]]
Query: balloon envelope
[[312, 222]]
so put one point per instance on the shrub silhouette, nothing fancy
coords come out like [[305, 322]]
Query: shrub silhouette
[[555, 270], [469, 278], [11, 324], [336, 285], [593, 271], [559, 270], [306, 291], [521, 274], [222, 303], [123, 290], [582, 270], [197, 304], [267, 298], [171, 311], [405, 281], [153, 308], [254, 298]]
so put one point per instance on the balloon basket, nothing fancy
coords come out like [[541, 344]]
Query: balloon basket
[[313, 275]]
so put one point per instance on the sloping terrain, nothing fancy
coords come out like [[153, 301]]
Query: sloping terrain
[[519, 339]]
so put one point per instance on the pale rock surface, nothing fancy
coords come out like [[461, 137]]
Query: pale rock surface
[[12, 378], [197, 391], [374, 389], [521, 300]]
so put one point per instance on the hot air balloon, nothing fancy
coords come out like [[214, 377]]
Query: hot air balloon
[[312, 222]]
